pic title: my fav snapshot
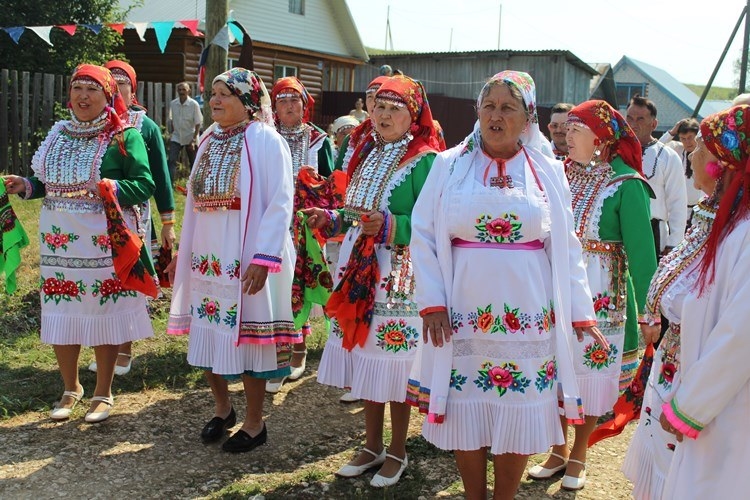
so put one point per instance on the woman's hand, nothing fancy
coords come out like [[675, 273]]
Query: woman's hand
[[592, 332], [171, 268], [650, 334], [664, 422], [371, 223], [14, 184], [254, 279], [436, 327], [167, 236], [317, 218]]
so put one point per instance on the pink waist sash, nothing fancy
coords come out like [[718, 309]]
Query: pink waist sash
[[530, 245]]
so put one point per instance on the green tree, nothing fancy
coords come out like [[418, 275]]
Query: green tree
[[33, 54]]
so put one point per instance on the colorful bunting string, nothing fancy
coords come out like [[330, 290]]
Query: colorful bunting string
[[162, 30]]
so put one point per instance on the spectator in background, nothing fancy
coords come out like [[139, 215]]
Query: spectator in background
[[185, 119], [685, 130], [663, 171], [340, 130], [557, 129], [358, 112], [386, 70]]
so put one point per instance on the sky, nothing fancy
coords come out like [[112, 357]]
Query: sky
[[685, 38]]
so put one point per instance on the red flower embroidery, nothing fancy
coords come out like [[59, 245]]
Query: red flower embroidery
[[500, 376], [511, 322], [499, 227], [485, 321]]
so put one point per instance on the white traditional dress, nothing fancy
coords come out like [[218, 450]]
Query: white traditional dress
[[652, 448], [610, 206], [379, 370], [83, 302], [238, 212], [712, 403], [505, 263]]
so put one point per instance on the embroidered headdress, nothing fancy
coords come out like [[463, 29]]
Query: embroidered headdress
[[616, 136], [124, 73], [291, 84], [250, 90], [727, 136]]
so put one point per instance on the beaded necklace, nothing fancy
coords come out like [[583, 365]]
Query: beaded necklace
[[586, 184], [298, 139], [215, 179], [70, 165], [370, 181], [678, 260], [660, 148]]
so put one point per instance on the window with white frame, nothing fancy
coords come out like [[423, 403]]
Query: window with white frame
[[280, 71], [297, 7], [626, 91]]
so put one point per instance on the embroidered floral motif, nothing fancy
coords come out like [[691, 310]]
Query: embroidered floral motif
[[456, 321], [546, 375], [511, 321], [57, 239], [59, 289], [211, 310], [101, 241], [110, 288], [233, 270], [206, 267], [503, 378], [457, 380], [545, 320], [231, 317], [666, 374], [504, 229], [602, 304], [336, 329], [396, 335], [596, 356], [727, 128]]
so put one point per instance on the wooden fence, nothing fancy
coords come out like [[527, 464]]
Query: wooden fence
[[27, 111]]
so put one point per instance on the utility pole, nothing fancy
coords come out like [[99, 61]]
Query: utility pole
[[745, 48], [217, 13], [500, 25]]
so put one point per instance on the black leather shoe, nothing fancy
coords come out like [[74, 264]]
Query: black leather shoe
[[241, 441], [217, 427]]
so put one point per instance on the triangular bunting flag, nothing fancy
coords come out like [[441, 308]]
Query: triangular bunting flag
[[236, 32], [222, 38], [96, 28], [15, 32], [140, 28], [118, 27], [43, 32], [192, 25], [163, 30], [70, 29]]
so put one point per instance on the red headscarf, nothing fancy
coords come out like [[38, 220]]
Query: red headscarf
[[292, 83], [129, 71], [115, 107], [376, 83], [727, 135], [616, 136], [404, 91]]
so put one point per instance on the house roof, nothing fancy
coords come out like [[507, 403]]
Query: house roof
[[569, 56], [345, 42], [669, 84]]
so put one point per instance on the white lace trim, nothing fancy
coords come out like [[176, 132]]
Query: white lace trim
[[593, 229], [503, 349], [396, 180]]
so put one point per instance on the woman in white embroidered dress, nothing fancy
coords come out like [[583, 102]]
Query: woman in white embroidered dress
[[311, 148], [712, 403], [375, 327], [83, 300], [498, 355], [652, 448], [232, 286]]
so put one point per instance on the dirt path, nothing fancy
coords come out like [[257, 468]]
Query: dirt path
[[150, 448]]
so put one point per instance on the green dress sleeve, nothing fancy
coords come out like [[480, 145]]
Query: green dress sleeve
[[157, 161], [339, 164], [402, 201], [132, 173], [325, 158]]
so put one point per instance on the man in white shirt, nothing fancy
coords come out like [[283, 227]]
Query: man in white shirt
[[685, 130], [662, 168], [558, 129], [185, 119]]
